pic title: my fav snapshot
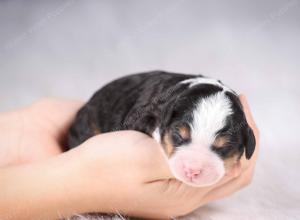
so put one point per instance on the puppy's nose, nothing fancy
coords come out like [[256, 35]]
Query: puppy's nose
[[192, 173]]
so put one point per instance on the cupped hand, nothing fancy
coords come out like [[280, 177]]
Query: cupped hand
[[122, 172], [35, 132], [135, 179]]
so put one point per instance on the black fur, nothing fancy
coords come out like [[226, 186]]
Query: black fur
[[145, 101], [135, 102]]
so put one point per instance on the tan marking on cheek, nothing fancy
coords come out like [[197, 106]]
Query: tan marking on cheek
[[185, 132], [220, 142], [167, 144]]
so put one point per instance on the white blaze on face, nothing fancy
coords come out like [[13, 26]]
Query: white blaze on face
[[196, 164], [209, 117]]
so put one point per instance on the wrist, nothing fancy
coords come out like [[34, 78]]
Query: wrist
[[40, 190], [89, 191]]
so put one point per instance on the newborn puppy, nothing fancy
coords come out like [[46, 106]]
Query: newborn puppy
[[198, 121]]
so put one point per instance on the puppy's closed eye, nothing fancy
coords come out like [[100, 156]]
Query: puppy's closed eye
[[223, 147], [181, 135], [225, 151]]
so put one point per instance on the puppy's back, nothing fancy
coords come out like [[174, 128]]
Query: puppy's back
[[112, 107]]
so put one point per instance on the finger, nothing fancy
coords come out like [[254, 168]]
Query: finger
[[229, 187], [222, 191], [57, 112], [224, 180], [160, 168], [147, 153], [246, 107], [245, 163], [249, 116], [252, 124]]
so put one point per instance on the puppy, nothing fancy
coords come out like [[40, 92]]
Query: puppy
[[199, 122]]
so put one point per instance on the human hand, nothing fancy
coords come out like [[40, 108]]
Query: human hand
[[126, 172], [123, 171], [35, 132]]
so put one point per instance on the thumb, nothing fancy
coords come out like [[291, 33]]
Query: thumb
[[154, 159]]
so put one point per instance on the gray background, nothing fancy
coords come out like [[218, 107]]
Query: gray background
[[70, 48]]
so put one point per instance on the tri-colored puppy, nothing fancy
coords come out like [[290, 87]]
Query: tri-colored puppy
[[199, 122]]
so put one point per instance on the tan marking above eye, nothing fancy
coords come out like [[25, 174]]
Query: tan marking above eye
[[184, 132], [167, 144], [220, 142]]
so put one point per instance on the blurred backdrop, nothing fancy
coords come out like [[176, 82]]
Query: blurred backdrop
[[70, 48]]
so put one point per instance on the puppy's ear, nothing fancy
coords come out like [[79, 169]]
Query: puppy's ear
[[140, 119], [249, 142], [146, 124]]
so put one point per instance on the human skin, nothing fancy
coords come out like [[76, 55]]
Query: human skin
[[123, 171]]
